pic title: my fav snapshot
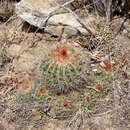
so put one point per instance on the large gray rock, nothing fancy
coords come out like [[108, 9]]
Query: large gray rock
[[35, 12]]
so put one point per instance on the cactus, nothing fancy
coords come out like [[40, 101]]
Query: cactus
[[62, 70]]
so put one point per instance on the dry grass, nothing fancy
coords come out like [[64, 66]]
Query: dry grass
[[102, 104], [6, 9]]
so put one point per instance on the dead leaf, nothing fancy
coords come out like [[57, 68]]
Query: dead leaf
[[106, 65], [126, 70], [84, 44], [65, 104], [98, 54], [99, 88], [88, 99]]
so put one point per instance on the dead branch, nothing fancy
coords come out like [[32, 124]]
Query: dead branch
[[78, 19], [69, 10], [108, 11], [52, 12]]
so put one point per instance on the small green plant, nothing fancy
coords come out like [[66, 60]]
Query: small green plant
[[62, 70]]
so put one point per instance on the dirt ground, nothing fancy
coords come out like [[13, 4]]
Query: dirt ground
[[106, 107]]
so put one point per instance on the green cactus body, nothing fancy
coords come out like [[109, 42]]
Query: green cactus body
[[61, 70]]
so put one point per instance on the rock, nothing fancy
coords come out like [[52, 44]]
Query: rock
[[35, 12]]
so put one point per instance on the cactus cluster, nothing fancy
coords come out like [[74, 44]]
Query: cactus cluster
[[62, 70]]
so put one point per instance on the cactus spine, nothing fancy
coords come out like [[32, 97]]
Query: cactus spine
[[61, 70]]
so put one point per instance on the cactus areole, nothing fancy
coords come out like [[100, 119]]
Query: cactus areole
[[61, 70]]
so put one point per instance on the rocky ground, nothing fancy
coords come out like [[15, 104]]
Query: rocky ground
[[27, 104]]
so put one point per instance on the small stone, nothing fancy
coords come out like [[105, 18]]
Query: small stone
[[124, 32], [37, 117], [35, 111], [36, 114]]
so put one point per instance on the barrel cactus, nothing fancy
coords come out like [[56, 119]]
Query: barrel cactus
[[63, 69]]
